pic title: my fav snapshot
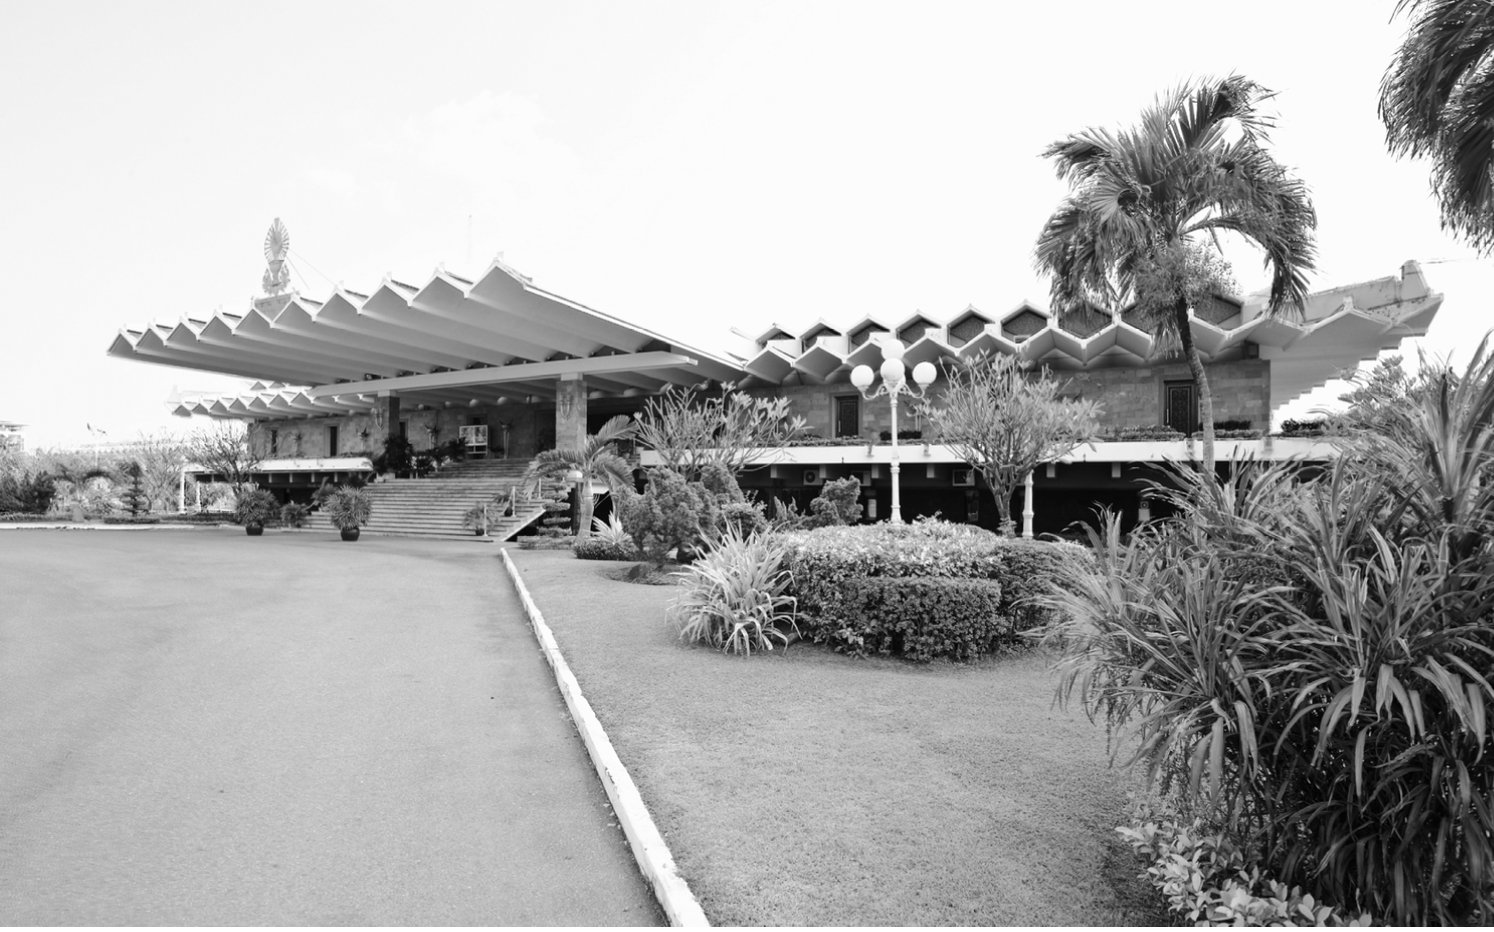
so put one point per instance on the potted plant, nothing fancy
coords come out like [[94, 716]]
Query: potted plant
[[476, 518], [254, 510], [349, 509]]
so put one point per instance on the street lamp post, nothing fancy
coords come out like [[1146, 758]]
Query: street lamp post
[[894, 383]]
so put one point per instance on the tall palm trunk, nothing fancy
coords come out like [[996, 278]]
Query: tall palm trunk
[[1201, 382], [585, 507]]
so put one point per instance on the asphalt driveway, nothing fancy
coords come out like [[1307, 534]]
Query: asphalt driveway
[[201, 728]]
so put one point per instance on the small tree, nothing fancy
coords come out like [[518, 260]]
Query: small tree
[[161, 458], [224, 450], [690, 431], [838, 503], [595, 459], [1004, 424], [667, 516], [134, 497]]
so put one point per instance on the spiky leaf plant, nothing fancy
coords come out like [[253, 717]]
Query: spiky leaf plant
[[735, 596], [1308, 658]]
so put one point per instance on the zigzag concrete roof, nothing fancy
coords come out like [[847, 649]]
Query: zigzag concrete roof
[[448, 341], [1338, 329], [498, 339]]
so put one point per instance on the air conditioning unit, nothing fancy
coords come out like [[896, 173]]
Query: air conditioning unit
[[814, 477], [963, 476]]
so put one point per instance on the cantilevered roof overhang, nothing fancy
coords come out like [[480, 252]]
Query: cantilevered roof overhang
[[449, 341], [1337, 330]]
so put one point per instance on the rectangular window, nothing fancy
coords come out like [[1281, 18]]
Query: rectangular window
[[1180, 406], [331, 441], [404, 428], [847, 416], [274, 442]]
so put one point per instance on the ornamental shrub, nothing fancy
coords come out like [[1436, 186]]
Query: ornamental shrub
[[668, 515], [919, 618], [833, 569], [599, 548], [736, 597], [838, 503], [1211, 880]]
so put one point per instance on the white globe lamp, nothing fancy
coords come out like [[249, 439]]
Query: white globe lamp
[[861, 377], [924, 374], [893, 371], [892, 349]]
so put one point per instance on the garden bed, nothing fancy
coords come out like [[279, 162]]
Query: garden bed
[[805, 787]]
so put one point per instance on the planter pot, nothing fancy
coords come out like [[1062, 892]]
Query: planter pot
[[480, 531], [349, 533], [253, 530]]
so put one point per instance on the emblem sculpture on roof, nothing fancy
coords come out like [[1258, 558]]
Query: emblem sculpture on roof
[[277, 247]]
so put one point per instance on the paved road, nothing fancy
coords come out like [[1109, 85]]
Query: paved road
[[198, 728]]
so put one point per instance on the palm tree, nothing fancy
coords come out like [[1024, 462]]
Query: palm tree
[[1147, 205], [1437, 100], [595, 460]]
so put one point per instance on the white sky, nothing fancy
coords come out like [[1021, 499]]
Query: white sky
[[690, 166]]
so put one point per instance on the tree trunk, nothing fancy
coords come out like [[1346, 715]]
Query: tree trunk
[[1004, 522], [1201, 382], [584, 508]]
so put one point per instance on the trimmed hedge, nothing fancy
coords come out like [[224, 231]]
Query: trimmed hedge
[[132, 519], [927, 589], [597, 548], [919, 618]]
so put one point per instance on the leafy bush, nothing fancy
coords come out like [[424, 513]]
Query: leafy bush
[[256, 508], [1210, 880], [669, 515], [1307, 655], [598, 548], [837, 504], [612, 531], [840, 578], [294, 514], [398, 457], [917, 618], [27, 493], [1310, 427], [735, 597], [348, 507], [132, 519], [1147, 432], [902, 435], [745, 518]]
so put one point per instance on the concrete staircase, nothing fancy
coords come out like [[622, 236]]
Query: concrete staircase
[[434, 507]]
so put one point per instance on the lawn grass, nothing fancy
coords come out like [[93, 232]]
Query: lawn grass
[[804, 787]]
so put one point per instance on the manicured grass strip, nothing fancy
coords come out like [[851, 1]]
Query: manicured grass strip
[[648, 845], [803, 787]]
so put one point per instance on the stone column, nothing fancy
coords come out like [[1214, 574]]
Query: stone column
[[1027, 505], [570, 412], [389, 402]]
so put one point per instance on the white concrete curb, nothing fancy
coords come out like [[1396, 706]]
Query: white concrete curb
[[652, 854]]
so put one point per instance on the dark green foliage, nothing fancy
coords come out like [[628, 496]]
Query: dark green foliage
[[917, 618], [27, 493], [1132, 434], [294, 514], [132, 519], [1306, 657], [1311, 427], [745, 518], [837, 504], [256, 508], [670, 514], [902, 435], [133, 498], [836, 572], [398, 457], [600, 548]]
